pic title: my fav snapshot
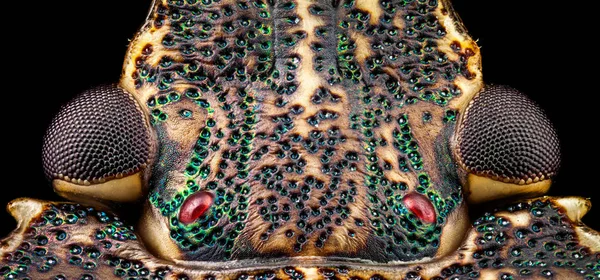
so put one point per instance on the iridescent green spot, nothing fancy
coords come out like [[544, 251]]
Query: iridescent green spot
[[75, 250], [174, 96], [427, 117], [450, 116], [61, 235], [192, 93], [186, 114]]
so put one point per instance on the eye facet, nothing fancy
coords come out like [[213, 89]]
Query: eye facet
[[195, 206], [420, 206], [507, 145], [97, 146]]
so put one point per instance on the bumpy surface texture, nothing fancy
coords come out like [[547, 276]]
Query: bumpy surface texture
[[505, 135], [316, 125], [99, 135], [300, 139], [528, 240]]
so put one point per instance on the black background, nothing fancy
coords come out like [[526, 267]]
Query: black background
[[55, 49]]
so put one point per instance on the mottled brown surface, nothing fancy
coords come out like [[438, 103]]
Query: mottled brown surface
[[534, 238], [322, 134], [316, 92]]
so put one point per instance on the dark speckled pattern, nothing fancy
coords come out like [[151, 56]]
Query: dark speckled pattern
[[322, 135], [312, 121], [546, 248]]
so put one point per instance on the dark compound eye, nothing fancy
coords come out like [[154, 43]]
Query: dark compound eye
[[99, 136], [507, 137], [195, 206]]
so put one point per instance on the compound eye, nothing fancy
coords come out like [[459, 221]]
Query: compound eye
[[507, 145], [97, 146]]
